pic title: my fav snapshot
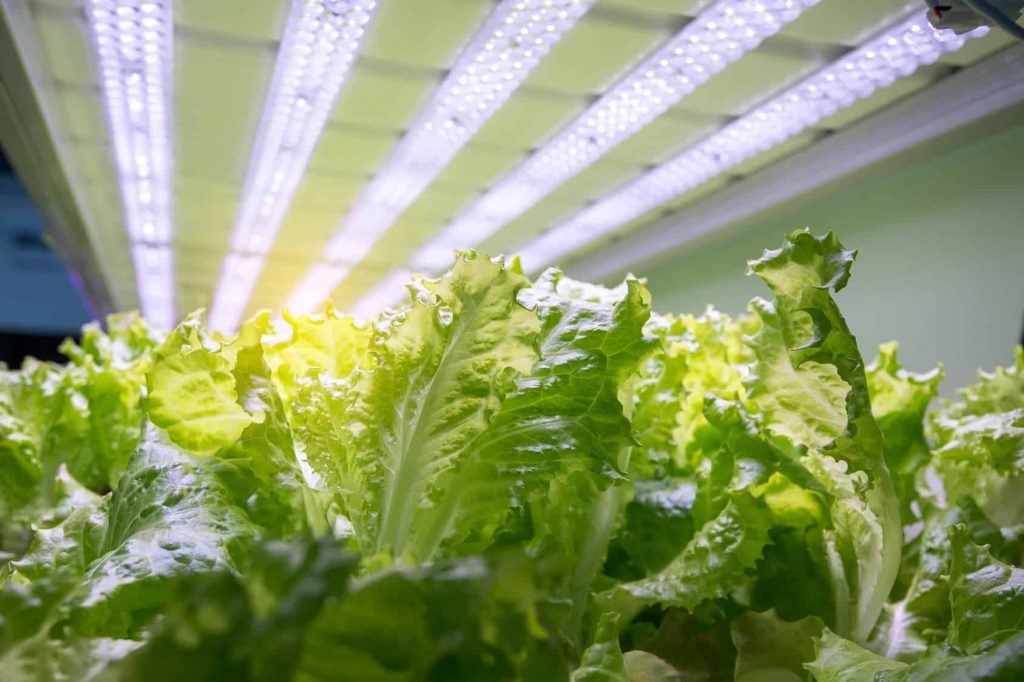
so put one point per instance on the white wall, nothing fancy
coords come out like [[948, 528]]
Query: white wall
[[941, 264]]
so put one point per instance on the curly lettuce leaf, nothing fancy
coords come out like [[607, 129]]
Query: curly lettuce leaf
[[713, 564], [909, 625], [561, 443], [603, 661], [999, 391], [769, 648], [168, 516], [697, 356], [393, 437], [656, 524], [986, 596], [978, 447], [330, 343], [899, 402], [251, 626], [192, 393], [31, 401], [267, 472], [464, 620], [809, 384], [840, 660]]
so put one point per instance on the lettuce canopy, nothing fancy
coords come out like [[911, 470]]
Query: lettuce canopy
[[506, 479]]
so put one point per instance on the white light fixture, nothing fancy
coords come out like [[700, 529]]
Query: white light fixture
[[319, 44], [513, 40], [895, 54], [516, 36], [319, 282], [719, 36], [154, 276], [237, 280], [386, 293], [132, 46]]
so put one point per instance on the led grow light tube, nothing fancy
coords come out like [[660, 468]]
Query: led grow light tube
[[132, 46], [719, 36], [319, 44], [154, 272], [513, 40], [897, 53]]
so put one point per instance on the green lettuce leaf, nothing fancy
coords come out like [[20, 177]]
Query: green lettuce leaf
[[467, 620], [908, 626], [713, 564], [392, 439], [698, 356], [769, 648], [192, 392], [809, 382], [603, 661], [978, 447], [331, 343], [840, 660], [656, 524], [899, 401], [986, 596], [222, 626], [167, 517]]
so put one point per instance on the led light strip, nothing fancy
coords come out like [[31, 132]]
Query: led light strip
[[319, 44], [132, 46], [895, 54], [513, 40], [517, 35], [719, 36]]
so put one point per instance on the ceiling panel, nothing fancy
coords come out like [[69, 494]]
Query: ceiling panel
[[385, 99], [82, 111], [745, 82], [351, 150], [219, 94], [594, 54], [440, 203], [65, 42], [663, 138], [847, 23], [595, 181], [95, 165], [529, 117], [478, 165], [260, 20], [423, 34], [667, 7]]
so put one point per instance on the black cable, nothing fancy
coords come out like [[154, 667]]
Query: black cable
[[993, 14]]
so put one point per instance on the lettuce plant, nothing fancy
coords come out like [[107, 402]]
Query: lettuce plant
[[506, 479]]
